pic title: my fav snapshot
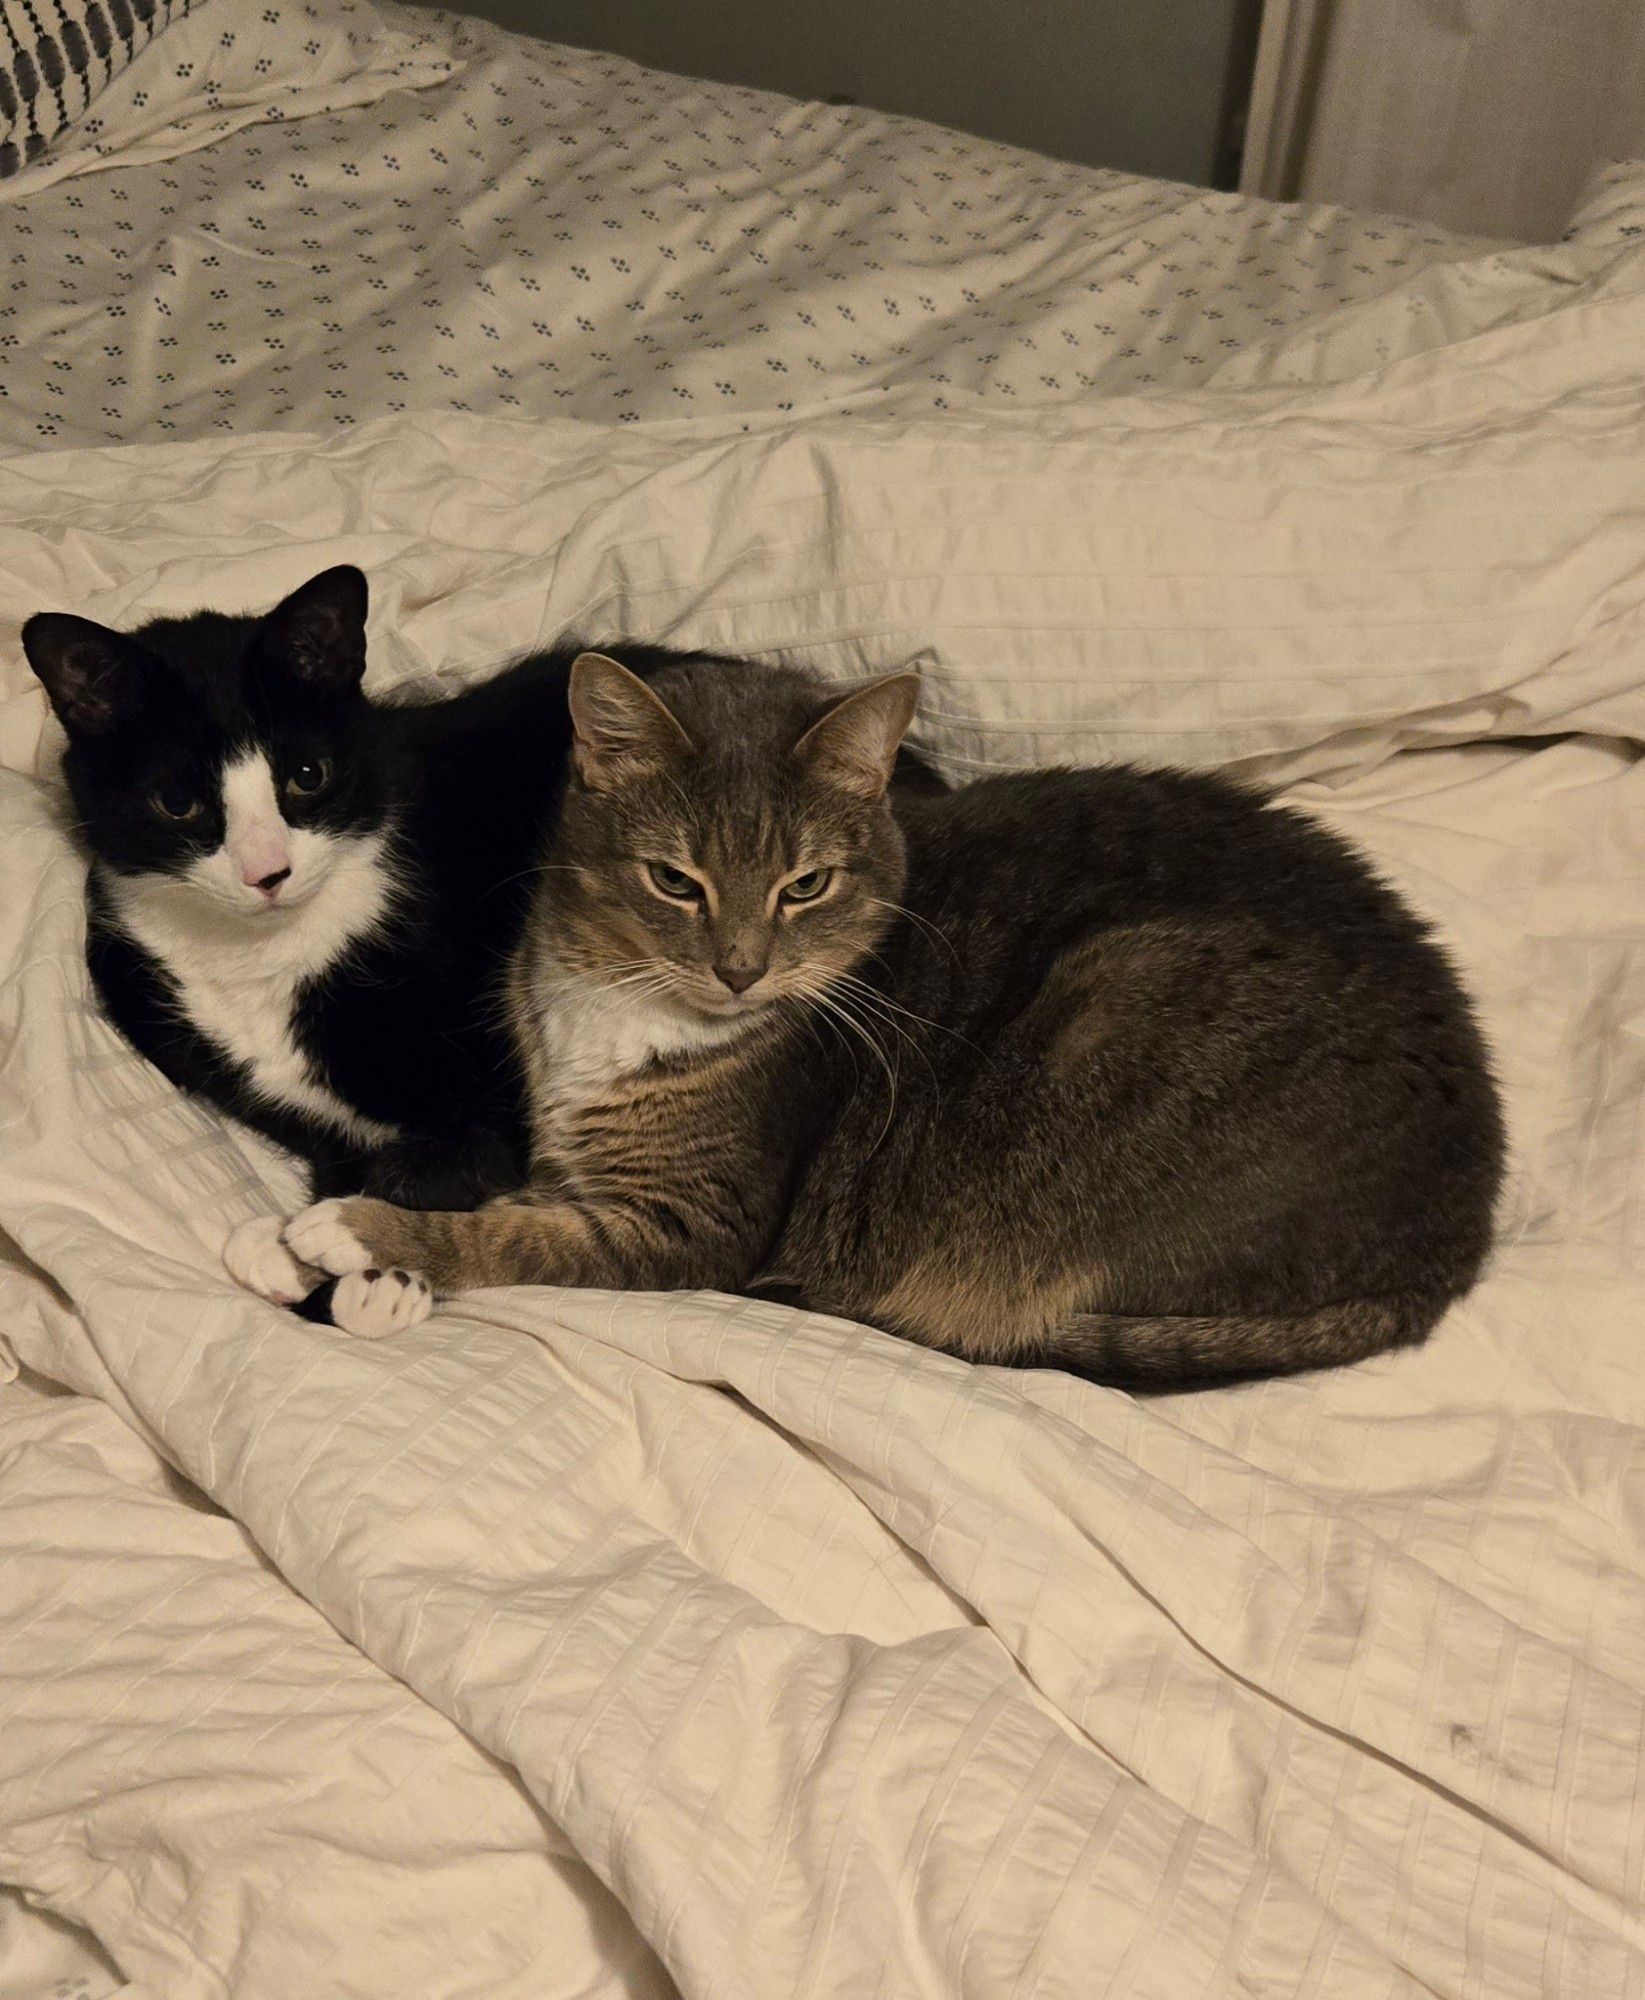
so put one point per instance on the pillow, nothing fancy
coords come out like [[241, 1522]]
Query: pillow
[[218, 68], [57, 55]]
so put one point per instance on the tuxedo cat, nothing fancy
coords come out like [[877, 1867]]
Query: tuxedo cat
[[301, 900]]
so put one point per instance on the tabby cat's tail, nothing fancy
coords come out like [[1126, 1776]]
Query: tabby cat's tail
[[1163, 1354]]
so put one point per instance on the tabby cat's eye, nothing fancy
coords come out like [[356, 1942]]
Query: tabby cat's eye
[[674, 883], [170, 803], [808, 887], [309, 778]]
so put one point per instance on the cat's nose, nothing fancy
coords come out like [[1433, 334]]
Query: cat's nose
[[269, 885], [739, 977]]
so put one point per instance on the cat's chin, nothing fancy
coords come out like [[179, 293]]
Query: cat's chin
[[734, 1007], [262, 909], [186, 898], [247, 907]]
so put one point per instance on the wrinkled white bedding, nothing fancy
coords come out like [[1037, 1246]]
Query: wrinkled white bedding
[[847, 1669], [446, 217]]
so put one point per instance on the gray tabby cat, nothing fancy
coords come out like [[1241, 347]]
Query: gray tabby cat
[[1116, 1071]]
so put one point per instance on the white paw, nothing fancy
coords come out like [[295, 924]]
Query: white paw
[[372, 1304], [319, 1236], [256, 1257]]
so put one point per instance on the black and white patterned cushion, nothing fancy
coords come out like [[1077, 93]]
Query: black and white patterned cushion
[[56, 55]]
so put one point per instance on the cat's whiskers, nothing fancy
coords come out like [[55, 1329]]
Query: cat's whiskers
[[866, 990], [884, 1000], [629, 968], [532, 869], [914, 917], [645, 983], [886, 1059], [802, 1015], [804, 996], [835, 1007], [497, 1008], [847, 987], [608, 976], [858, 1001], [494, 1008]]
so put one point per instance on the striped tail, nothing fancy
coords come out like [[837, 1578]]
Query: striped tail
[[1160, 1354]]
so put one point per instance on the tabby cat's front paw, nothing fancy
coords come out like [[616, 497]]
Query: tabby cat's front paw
[[373, 1304], [256, 1257], [322, 1236]]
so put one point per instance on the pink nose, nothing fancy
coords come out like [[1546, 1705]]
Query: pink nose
[[265, 861]]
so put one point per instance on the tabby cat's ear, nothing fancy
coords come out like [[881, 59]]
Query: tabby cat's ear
[[318, 633], [622, 729], [854, 744], [95, 678]]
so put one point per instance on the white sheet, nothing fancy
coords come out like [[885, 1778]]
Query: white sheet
[[472, 221], [224, 1787], [848, 1668]]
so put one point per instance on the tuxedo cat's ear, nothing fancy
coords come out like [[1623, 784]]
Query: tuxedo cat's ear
[[318, 633], [622, 729], [854, 744], [95, 677]]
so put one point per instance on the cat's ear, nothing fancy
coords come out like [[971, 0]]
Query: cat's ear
[[318, 633], [622, 729], [95, 677], [854, 744]]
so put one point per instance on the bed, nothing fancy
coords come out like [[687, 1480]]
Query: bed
[[590, 1644]]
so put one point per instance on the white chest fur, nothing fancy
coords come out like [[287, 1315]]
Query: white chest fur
[[590, 1035], [238, 972]]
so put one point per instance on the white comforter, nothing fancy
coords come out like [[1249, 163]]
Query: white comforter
[[842, 1668]]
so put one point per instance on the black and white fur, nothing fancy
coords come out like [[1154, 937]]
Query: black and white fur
[[301, 900], [298, 897]]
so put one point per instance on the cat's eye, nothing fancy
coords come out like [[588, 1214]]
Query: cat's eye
[[307, 779], [170, 803], [673, 883], [808, 887]]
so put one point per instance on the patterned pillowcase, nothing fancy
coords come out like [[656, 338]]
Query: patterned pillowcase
[[57, 55]]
